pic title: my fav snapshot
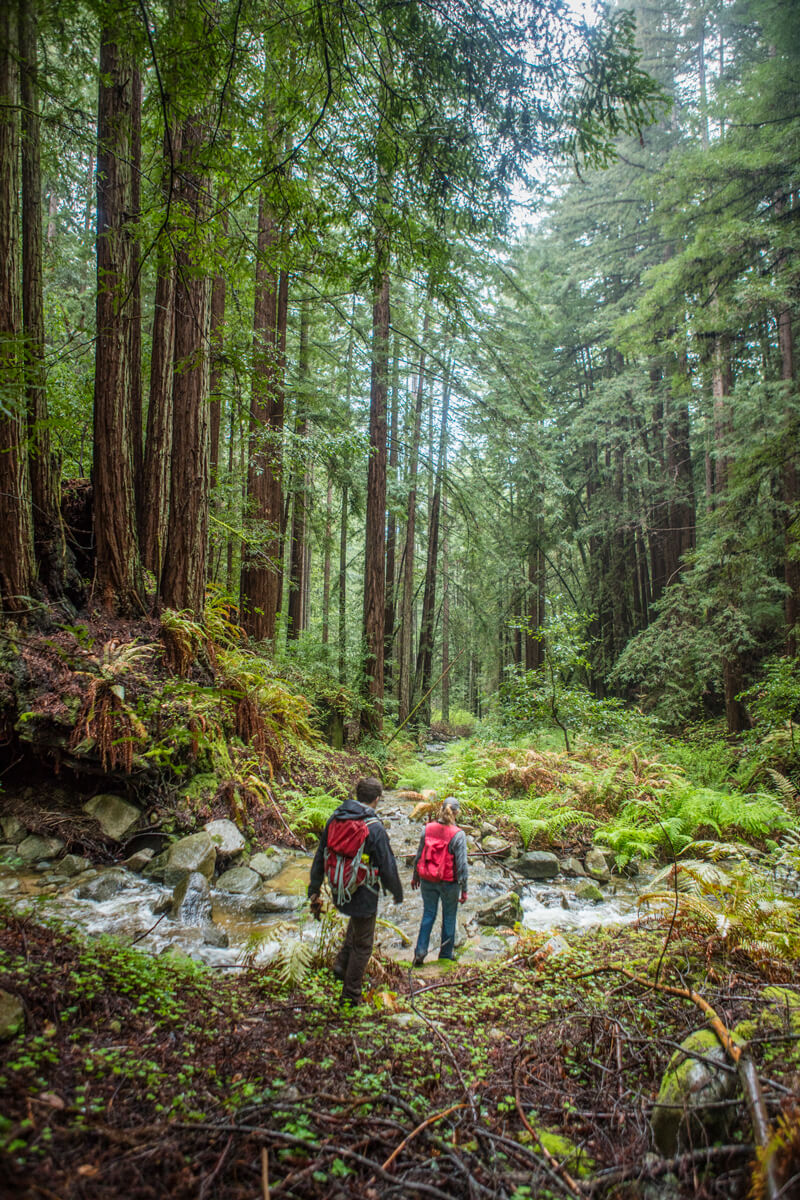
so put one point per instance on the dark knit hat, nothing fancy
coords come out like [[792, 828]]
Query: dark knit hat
[[451, 802]]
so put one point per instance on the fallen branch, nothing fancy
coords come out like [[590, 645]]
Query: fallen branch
[[424, 1125]]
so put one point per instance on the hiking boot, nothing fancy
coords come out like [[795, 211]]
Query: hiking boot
[[419, 960], [338, 972]]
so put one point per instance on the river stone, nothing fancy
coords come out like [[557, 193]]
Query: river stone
[[596, 865], [12, 1015], [35, 848], [267, 863], [498, 847], [571, 867], [537, 864], [104, 886], [194, 853], [272, 902], [13, 829], [114, 815], [554, 947], [681, 1115], [589, 891], [71, 865], [191, 900], [214, 936], [240, 880], [226, 836], [504, 910], [139, 860]]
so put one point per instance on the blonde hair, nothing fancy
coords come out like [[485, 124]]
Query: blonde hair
[[447, 814]]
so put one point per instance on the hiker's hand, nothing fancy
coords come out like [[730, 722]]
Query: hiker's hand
[[315, 903], [462, 897], [414, 884]]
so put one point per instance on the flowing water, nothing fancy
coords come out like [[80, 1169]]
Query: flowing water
[[135, 910]]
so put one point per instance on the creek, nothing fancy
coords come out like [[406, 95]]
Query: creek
[[123, 903]]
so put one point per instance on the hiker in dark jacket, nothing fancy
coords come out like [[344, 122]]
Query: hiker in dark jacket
[[360, 904], [440, 872]]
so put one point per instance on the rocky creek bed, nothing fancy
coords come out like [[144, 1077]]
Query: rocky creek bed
[[206, 895]]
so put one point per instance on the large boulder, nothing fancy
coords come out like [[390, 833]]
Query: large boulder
[[271, 902], [688, 1109], [194, 853], [504, 910], [571, 867], [115, 816], [226, 836], [537, 864], [34, 848], [239, 880], [589, 891], [596, 865], [71, 865], [191, 900], [12, 1015]]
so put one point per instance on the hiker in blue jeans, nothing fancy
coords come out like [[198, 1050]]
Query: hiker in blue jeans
[[440, 872]]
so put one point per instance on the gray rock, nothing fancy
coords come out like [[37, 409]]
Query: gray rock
[[71, 865], [572, 867], [34, 848], [537, 864], [115, 816], [504, 910], [494, 945], [226, 836], [596, 865], [272, 902], [139, 860], [12, 1015], [554, 947], [194, 853], [632, 868], [498, 847], [163, 904], [589, 891], [406, 1020], [104, 886], [240, 880], [684, 1113], [214, 936], [9, 853], [191, 900], [267, 863], [13, 830]]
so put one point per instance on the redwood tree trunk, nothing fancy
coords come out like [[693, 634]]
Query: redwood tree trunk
[[427, 622], [118, 573], [298, 575], [183, 579], [48, 531], [391, 522], [16, 542], [405, 638]]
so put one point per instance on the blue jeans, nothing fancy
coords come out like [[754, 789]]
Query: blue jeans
[[431, 894]]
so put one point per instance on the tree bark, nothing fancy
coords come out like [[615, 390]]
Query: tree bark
[[343, 589], [445, 616], [405, 639], [118, 573], [135, 323], [298, 578], [391, 521], [183, 579], [16, 543], [262, 566], [48, 530], [326, 563], [790, 488]]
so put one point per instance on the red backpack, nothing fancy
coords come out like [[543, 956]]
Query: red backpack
[[436, 861], [346, 865]]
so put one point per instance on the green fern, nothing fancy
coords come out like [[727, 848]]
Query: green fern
[[548, 815]]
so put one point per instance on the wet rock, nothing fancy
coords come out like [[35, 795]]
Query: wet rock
[[505, 910], [12, 1015], [214, 936], [564, 902], [589, 891], [498, 847], [163, 904], [406, 1020], [267, 863], [571, 867], [226, 836], [13, 830], [272, 902], [632, 868], [115, 816], [139, 860], [687, 1110], [34, 848], [194, 853], [493, 945], [71, 865], [104, 886], [9, 854], [596, 865], [537, 864], [554, 947], [191, 900], [240, 880]]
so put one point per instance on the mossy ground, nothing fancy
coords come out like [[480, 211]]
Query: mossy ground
[[150, 1077]]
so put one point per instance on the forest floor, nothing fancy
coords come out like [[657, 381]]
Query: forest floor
[[533, 1076]]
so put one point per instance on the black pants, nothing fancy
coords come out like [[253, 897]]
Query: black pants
[[351, 961]]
